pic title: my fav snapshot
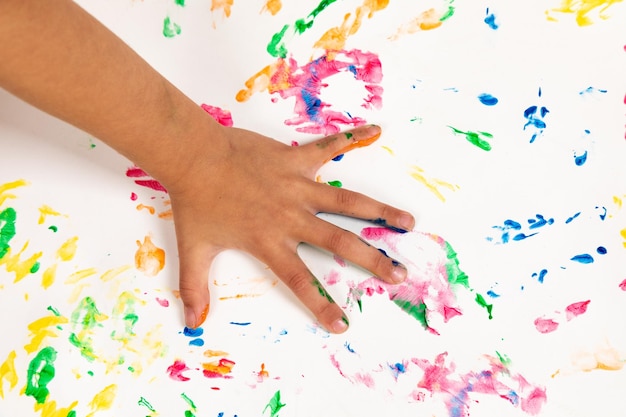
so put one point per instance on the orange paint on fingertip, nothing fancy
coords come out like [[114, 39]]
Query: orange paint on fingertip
[[360, 143], [202, 317]]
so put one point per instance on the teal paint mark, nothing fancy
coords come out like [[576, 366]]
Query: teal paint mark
[[170, 29], [481, 302], [277, 48], [7, 220], [336, 183], [53, 228], [418, 312], [143, 402], [40, 373], [476, 138], [455, 274], [321, 290], [274, 405]]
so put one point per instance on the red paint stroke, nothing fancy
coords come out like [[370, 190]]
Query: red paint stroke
[[176, 370], [546, 325], [162, 302], [149, 182], [219, 369], [576, 309], [622, 285], [221, 116]]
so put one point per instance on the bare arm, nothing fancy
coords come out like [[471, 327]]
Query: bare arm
[[224, 193]]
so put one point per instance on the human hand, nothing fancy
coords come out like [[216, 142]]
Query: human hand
[[262, 198]]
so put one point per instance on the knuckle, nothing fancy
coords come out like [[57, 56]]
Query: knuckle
[[337, 241], [346, 199], [298, 281]]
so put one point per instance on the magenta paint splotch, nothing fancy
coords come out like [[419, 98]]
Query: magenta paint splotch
[[175, 371], [304, 83], [144, 179], [576, 309], [429, 289], [544, 325], [223, 117]]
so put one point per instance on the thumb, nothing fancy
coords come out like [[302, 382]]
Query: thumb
[[194, 285]]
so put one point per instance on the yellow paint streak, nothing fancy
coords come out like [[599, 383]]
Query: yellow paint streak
[[80, 275], [272, 6], [582, 8], [10, 186], [48, 276], [7, 373], [45, 211], [114, 273], [427, 20], [49, 409], [149, 258], [77, 289], [623, 233], [103, 400], [618, 201], [388, 149], [68, 249], [432, 184], [40, 330], [14, 264], [238, 296]]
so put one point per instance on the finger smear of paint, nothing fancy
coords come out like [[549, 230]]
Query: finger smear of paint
[[490, 20], [40, 372], [175, 371], [219, 369], [584, 258], [478, 139], [488, 99], [274, 405], [149, 258], [576, 309], [546, 325]]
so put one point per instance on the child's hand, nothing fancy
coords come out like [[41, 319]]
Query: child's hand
[[262, 198]]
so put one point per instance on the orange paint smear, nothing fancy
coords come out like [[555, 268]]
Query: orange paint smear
[[219, 369], [427, 20], [149, 258], [211, 353], [272, 6], [141, 206], [239, 296], [357, 144]]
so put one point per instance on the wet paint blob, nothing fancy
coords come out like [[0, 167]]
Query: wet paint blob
[[490, 20], [488, 99], [40, 372], [580, 160]]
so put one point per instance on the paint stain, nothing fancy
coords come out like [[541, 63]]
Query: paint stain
[[219, 369], [603, 358], [534, 116], [545, 325], [305, 83], [576, 309], [223, 117], [40, 372], [580, 160], [434, 185], [149, 258], [175, 371], [488, 99], [583, 258], [8, 373], [274, 405], [581, 10], [170, 28], [490, 20], [427, 20], [103, 400], [480, 300], [147, 181], [478, 139], [272, 6]]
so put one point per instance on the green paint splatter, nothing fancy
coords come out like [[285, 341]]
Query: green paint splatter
[[87, 314], [188, 401], [349, 135], [54, 311], [322, 291], [170, 29], [72, 413], [7, 231], [476, 138], [418, 312], [90, 373], [131, 369], [143, 402], [277, 48], [336, 183], [455, 274], [180, 3], [504, 359], [189, 413], [481, 302], [449, 12], [84, 345], [274, 405], [53, 228], [35, 267], [40, 373]]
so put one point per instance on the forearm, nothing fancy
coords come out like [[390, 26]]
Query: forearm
[[57, 57]]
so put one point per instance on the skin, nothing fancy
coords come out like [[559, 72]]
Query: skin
[[60, 59]]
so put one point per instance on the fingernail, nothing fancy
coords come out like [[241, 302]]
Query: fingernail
[[369, 131], [399, 272], [192, 320], [203, 315], [340, 326], [406, 221]]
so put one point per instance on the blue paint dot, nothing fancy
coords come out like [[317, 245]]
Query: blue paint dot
[[601, 250], [196, 342], [584, 258], [488, 99], [338, 157], [580, 159], [492, 294], [193, 332], [490, 20]]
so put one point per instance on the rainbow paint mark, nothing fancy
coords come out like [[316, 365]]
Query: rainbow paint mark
[[305, 83], [429, 289], [149, 258], [274, 405], [478, 139], [581, 9]]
